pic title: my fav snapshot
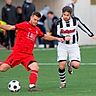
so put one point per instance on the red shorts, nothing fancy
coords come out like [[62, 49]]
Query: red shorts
[[17, 58]]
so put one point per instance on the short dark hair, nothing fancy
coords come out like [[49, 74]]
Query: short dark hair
[[67, 9], [37, 14], [19, 7], [50, 12]]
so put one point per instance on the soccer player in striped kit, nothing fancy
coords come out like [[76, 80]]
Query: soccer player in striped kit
[[69, 51]]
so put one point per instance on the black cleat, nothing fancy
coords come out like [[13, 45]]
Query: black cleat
[[33, 89], [70, 71]]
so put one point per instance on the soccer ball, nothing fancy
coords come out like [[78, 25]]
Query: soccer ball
[[14, 86]]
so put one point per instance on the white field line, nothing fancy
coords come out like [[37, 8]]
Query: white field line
[[57, 64]]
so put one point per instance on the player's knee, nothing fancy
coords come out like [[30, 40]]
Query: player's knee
[[4, 67], [62, 65], [34, 66], [76, 65]]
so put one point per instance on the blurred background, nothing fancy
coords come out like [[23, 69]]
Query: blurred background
[[84, 9]]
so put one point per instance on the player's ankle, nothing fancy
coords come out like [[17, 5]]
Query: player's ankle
[[31, 85]]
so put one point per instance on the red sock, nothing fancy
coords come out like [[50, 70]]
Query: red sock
[[33, 77]]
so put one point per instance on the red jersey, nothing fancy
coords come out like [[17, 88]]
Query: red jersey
[[26, 37]]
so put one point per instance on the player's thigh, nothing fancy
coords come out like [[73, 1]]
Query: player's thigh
[[14, 59], [74, 54], [29, 63], [61, 53]]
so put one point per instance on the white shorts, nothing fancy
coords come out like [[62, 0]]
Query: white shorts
[[68, 52]]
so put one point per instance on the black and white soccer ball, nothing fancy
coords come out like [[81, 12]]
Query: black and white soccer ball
[[14, 86]]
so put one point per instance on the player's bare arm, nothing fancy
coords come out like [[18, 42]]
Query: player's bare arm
[[7, 27], [49, 37], [74, 1]]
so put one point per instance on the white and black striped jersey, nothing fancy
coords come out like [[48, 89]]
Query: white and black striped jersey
[[70, 28]]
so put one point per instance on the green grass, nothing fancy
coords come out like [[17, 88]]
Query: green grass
[[81, 83]]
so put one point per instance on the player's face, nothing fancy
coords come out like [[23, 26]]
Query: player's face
[[9, 2], [34, 20], [66, 16], [50, 16]]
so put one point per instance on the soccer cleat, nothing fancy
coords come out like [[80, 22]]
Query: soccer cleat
[[32, 89], [70, 71], [62, 85]]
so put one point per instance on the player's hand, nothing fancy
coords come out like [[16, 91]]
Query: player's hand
[[60, 39], [67, 38], [94, 37], [4, 32]]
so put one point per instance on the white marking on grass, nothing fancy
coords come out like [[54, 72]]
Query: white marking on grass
[[90, 46], [44, 49], [57, 63]]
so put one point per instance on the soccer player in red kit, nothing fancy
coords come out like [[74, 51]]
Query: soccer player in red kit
[[26, 33]]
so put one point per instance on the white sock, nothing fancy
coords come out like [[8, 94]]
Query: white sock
[[31, 85]]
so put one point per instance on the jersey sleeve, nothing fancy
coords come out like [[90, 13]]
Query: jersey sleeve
[[40, 33], [3, 23], [21, 25], [84, 28]]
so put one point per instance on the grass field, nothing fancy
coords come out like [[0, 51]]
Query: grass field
[[81, 83]]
